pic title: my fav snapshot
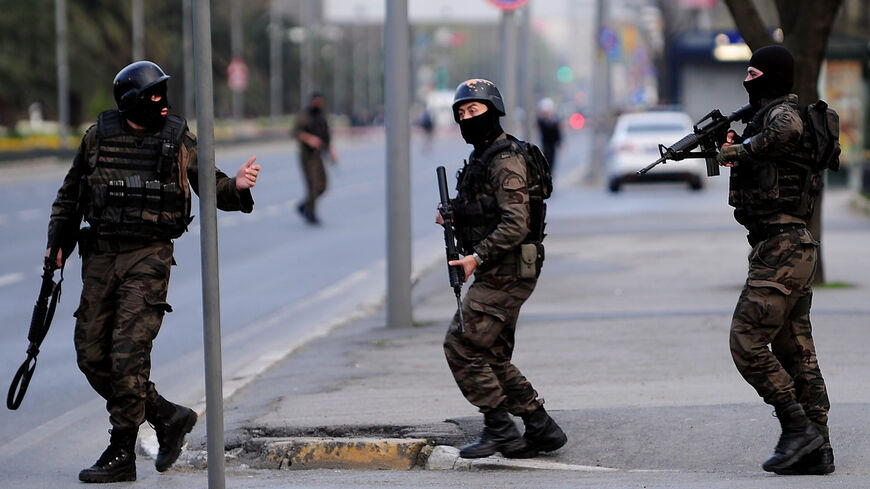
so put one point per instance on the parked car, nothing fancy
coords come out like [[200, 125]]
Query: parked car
[[635, 144]]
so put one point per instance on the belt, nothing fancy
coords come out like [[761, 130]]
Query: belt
[[116, 246], [772, 230]]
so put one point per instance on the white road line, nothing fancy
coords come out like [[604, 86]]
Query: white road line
[[10, 278], [31, 214], [43, 433]]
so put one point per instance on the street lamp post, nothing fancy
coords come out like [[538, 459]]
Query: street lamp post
[[62, 71], [397, 97]]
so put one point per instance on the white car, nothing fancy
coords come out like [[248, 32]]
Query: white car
[[635, 144]]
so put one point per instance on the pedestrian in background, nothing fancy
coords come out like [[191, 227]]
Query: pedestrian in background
[[427, 123], [500, 233], [130, 181], [312, 133], [774, 183], [550, 130]]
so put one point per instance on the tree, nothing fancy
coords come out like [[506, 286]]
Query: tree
[[806, 26]]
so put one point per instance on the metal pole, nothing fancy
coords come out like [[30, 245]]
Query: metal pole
[[138, 30], [397, 96], [508, 67], [339, 104], [601, 95], [358, 60], [306, 58], [187, 35], [276, 75], [374, 70], [525, 75], [62, 72], [208, 245], [236, 46]]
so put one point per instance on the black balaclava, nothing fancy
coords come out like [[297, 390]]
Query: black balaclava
[[147, 113], [315, 106], [777, 66], [480, 130]]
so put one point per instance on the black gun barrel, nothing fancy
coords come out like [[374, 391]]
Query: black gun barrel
[[688, 143], [40, 321], [455, 273], [706, 136]]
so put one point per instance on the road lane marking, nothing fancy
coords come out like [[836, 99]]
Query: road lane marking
[[10, 278], [42, 434], [31, 214]]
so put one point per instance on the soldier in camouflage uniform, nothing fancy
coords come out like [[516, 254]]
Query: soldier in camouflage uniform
[[130, 181], [773, 185], [312, 132], [493, 218]]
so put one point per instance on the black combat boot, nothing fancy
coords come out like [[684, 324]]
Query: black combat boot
[[499, 434], [171, 422], [817, 462], [799, 438], [542, 433], [118, 461]]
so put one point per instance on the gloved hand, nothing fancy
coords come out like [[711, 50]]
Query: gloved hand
[[731, 153]]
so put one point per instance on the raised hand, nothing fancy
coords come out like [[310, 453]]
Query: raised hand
[[246, 177]]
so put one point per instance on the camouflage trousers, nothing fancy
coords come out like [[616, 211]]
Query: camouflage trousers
[[480, 357], [774, 309], [315, 178], [122, 306]]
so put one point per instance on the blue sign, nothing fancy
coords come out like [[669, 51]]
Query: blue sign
[[508, 4]]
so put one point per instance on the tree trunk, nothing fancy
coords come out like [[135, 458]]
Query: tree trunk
[[806, 26], [749, 23]]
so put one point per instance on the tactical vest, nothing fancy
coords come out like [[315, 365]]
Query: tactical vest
[[475, 207], [786, 184], [135, 184]]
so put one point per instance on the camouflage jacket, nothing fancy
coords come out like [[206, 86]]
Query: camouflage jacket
[[67, 213], [765, 188], [503, 182]]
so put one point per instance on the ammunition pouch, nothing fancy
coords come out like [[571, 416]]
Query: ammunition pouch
[[530, 260]]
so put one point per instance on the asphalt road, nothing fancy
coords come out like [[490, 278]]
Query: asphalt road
[[284, 284]]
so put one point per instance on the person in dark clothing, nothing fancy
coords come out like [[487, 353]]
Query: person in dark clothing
[[501, 234], [312, 133], [130, 181], [550, 130], [774, 184]]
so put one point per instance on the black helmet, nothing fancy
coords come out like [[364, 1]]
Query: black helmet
[[133, 80], [481, 90]]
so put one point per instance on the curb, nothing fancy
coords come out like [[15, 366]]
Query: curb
[[447, 458], [340, 453]]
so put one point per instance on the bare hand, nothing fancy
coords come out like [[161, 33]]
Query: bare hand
[[311, 140], [59, 256], [246, 177], [468, 264], [438, 218]]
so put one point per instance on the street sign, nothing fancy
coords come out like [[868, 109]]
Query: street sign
[[237, 75], [508, 4]]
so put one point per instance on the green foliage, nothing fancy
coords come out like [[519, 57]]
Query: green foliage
[[99, 44]]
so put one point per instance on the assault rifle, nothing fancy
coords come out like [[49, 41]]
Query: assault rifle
[[709, 133], [43, 312], [455, 272]]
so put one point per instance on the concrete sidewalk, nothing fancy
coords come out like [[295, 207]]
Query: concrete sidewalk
[[626, 338]]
